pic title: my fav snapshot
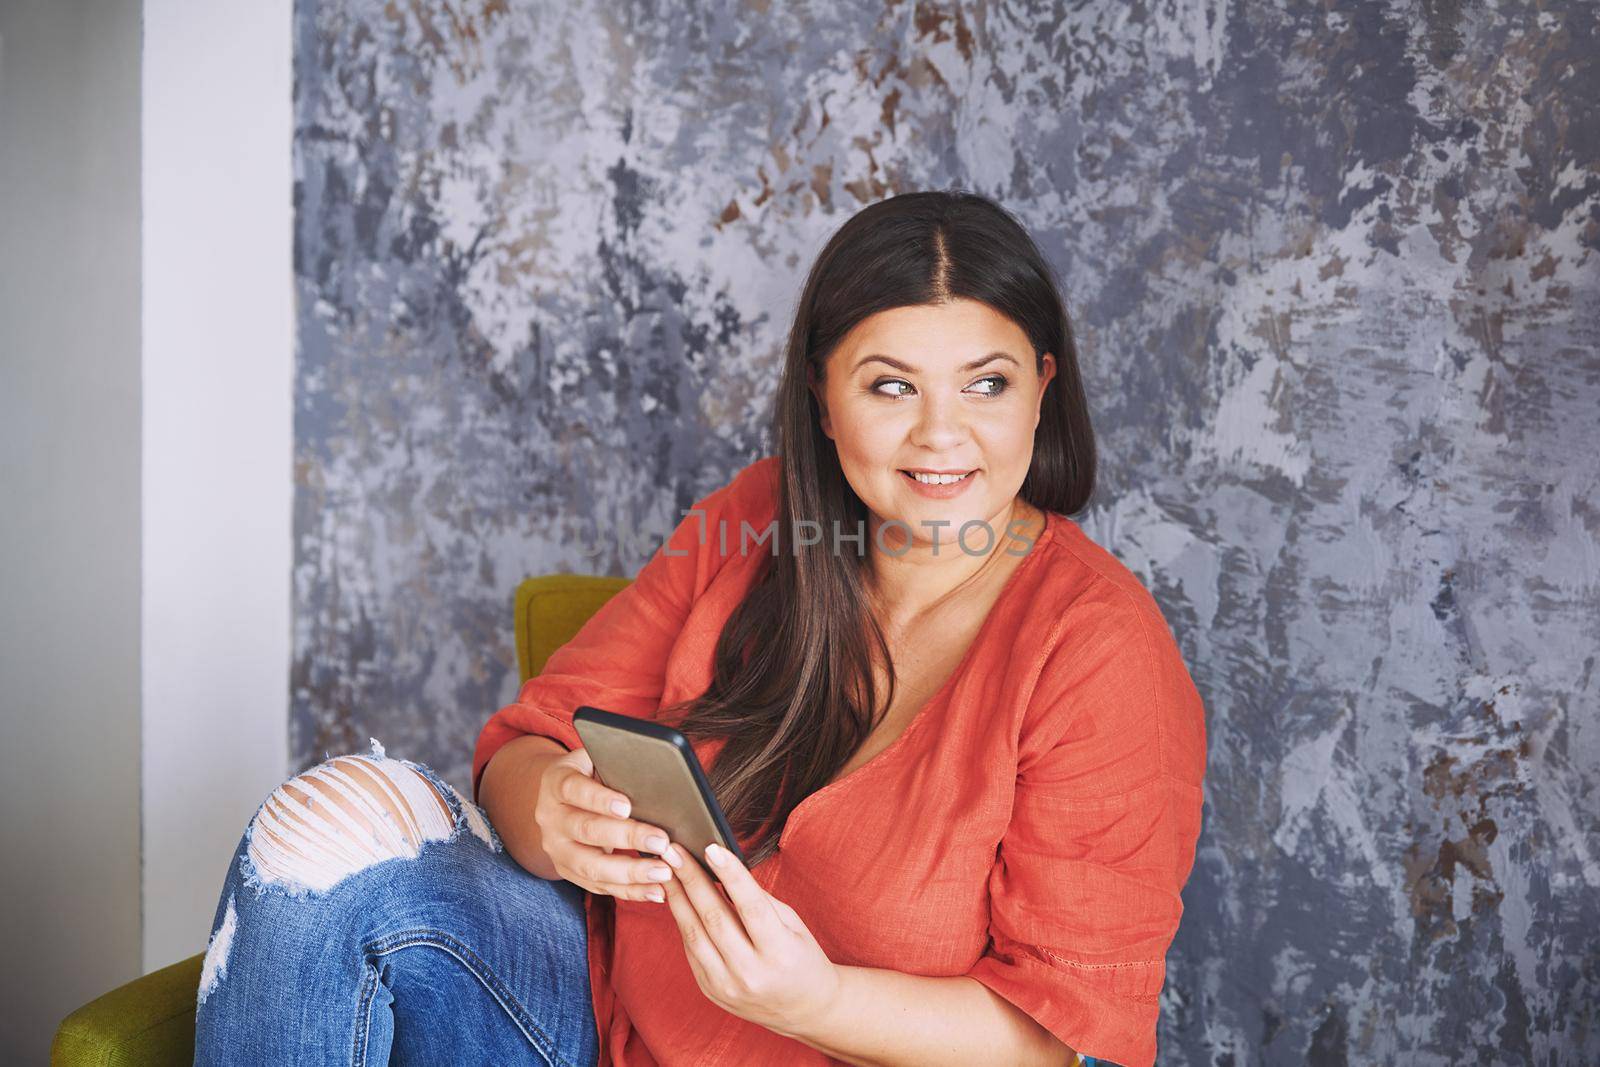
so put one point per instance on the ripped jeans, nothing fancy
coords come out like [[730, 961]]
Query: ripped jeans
[[370, 915]]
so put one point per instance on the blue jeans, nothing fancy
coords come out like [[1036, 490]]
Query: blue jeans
[[452, 955]]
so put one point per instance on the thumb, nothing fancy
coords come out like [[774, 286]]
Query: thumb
[[579, 758]]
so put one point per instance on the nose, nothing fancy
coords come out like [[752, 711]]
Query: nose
[[941, 423]]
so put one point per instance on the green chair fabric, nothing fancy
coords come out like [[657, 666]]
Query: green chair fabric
[[149, 1022], [552, 608]]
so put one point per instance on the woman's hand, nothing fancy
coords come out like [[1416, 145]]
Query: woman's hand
[[579, 829], [750, 952]]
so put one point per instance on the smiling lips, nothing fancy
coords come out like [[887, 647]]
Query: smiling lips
[[939, 485]]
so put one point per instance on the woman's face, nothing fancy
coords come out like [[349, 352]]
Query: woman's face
[[949, 388]]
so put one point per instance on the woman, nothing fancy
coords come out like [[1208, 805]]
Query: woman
[[955, 740]]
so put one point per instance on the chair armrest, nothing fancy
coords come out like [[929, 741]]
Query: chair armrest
[[148, 1022]]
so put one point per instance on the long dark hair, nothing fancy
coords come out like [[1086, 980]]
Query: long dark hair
[[792, 687]]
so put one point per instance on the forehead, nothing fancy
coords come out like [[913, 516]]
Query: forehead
[[935, 334]]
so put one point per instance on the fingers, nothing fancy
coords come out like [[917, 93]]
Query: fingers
[[590, 819], [594, 865], [600, 851], [714, 930], [583, 790], [753, 904], [606, 834], [594, 832], [582, 760], [705, 958], [652, 892]]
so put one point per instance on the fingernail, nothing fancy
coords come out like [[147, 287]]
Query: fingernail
[[655, 843], [672, 857], [660, 874], [716, 854], [620, 807], [656, 894]]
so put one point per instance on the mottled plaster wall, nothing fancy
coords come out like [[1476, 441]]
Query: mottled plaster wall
[[1336, 275]]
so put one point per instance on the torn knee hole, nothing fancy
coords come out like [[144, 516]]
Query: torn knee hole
[[214, 967], [345, 815]]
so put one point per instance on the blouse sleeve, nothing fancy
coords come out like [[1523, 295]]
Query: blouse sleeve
[[618, 659], [1085, 889]]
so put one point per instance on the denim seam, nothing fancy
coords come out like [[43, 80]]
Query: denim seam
[[475, 966], [369, 986]]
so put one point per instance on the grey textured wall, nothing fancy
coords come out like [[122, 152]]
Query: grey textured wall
[[1336, 275]]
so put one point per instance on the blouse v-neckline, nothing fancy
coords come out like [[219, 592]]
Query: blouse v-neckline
[[1012, 583]]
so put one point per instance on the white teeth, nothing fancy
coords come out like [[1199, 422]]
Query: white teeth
[[936, 479]]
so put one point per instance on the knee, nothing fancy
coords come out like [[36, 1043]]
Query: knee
[[343, 816]]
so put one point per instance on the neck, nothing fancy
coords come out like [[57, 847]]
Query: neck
[[929, 574]]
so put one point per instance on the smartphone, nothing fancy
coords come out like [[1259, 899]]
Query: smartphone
[[655, 766]]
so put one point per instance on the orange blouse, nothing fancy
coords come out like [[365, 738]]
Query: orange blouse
[[1031, 828]]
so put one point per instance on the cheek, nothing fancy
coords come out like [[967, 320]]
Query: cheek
[[1005, 441], [1004, 429], [865, 431], [867, 443]]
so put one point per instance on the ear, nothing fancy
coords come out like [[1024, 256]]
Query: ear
[[1046, 373], [822, 405]]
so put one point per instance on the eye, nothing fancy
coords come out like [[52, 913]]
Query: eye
[[1000, 384]]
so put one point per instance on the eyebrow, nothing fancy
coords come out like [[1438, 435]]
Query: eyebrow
[[909, 369]]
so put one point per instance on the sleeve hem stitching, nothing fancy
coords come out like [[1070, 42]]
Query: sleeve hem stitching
[[1058, 958]]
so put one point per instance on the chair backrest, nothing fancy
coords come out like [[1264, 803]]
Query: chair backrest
[[552, 608]]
